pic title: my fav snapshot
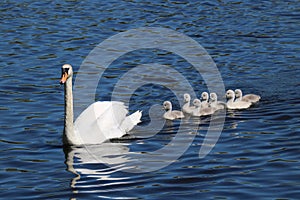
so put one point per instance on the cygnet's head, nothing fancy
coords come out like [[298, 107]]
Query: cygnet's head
[[197, 102], [213, 96], [66, 72], [238, 93], [230, 94], [204, 96], [167, 105], [186, 97]]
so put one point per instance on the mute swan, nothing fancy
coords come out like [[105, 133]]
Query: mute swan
[[252, 98], [231, 104], [204, 100], [186, 108], [199, 111], [214, 103], [99, 122], [171, 114]]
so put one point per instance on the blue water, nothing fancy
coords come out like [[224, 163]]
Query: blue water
[[255, 47]]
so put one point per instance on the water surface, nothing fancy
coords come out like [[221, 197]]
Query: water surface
[[255, 47]]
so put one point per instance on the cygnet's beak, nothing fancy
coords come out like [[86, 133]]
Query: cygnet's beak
[[64, 78]]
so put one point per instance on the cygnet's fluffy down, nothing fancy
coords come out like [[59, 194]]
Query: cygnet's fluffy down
[[171, 114], [231, 104], [204, 100], [199, 111], [252, 98], [214, 103], [187, 108]]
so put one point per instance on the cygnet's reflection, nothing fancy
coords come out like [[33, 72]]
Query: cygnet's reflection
[[120, 155]]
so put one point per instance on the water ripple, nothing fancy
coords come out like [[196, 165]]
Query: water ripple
[[256, 48]]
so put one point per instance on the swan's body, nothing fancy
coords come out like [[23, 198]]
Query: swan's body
[[214, 103], [99, 122], [199, 111], [171, 114], [231, 104], [187, 108], [252, 98], [204, 100]]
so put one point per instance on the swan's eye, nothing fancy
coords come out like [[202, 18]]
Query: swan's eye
[[65, 70]]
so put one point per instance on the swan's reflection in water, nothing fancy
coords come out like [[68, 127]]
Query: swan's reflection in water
[[103, 162], [114, 155], [109, 162]]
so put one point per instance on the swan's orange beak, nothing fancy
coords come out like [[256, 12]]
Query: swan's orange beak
[[64, 77]]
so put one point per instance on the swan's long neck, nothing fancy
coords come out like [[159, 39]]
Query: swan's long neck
[[69, 126]]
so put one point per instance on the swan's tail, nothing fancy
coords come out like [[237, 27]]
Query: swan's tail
[[131, 120]]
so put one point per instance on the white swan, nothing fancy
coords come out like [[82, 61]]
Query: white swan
[[231, 104], [204, 100], [97, 123], [252, 98], [171, 114], [214, 103], [199, 111], [187, 108]]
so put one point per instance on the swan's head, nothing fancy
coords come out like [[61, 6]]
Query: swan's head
[[213, 96], [230, 94], [167, 105], [197, 102], [66, 72], [204, 96], [238, 93], [186, 97]]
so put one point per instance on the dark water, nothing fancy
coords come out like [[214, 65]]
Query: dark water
[[255, 47]]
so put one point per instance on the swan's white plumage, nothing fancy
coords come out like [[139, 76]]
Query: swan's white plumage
[[104, 120], [98, 122], [130, 121]]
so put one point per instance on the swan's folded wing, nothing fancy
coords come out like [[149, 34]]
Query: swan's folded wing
[[114, 112], [100, 122], [116, 109], [130, 121]]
